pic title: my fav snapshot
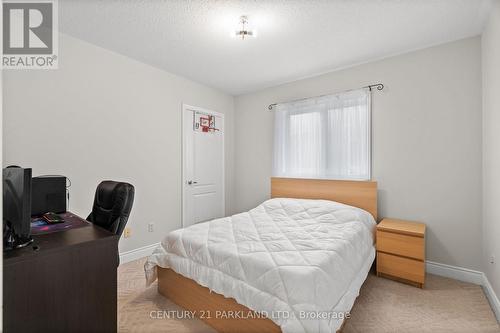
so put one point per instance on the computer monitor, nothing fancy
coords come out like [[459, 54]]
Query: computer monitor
[[16, 207]]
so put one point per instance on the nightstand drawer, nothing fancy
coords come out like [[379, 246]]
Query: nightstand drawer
[[403, 245], [404, 268]]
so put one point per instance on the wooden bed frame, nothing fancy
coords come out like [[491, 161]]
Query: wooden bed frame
[[208, 305]]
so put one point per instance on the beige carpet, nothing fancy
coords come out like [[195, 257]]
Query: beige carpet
[[444, 305]]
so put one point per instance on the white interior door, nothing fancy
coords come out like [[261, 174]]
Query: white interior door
[[203, 165]]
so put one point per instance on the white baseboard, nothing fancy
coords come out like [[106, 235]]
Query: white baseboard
[[492, 297], [454, 272], [138, 253], [466, 275]]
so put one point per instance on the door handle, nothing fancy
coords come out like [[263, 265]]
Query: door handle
[[190, 182]]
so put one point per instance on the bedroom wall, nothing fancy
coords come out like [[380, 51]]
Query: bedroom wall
[[100, 116], [491, 147], [426, 142]]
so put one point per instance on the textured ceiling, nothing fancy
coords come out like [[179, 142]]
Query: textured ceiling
[[296, 39]]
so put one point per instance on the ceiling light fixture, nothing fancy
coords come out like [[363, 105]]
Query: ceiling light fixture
[[244, 31]]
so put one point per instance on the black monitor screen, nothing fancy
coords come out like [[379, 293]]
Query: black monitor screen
[[17, 200]]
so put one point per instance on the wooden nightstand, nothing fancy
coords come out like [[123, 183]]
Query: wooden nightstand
[[401, 251]]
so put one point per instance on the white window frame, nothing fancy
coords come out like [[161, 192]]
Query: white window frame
[[325, 104]]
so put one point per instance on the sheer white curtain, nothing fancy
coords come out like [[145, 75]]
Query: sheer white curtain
[[325, 137]]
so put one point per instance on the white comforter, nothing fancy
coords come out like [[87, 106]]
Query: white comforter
[[287, 258]]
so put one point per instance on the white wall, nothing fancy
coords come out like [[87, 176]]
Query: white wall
[[491, 146], [426, 142], [105, 116]]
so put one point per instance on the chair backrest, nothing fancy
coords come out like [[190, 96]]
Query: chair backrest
[[112, 205]]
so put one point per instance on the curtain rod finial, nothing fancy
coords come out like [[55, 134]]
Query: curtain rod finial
[[379, 86]]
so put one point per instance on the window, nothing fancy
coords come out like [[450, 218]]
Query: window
[[325, 137]]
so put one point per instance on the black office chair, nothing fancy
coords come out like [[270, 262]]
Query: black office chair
[[112, 205]]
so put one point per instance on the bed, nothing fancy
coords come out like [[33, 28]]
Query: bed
[[295, 263]]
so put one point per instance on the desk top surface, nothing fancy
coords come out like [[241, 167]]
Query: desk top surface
[[46, 243]]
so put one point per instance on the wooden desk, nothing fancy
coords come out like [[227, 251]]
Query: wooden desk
[[67, 285]]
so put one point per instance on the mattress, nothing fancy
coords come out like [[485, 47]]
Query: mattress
[[300, 262]]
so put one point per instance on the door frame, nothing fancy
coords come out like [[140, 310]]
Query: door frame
[[188, 108]]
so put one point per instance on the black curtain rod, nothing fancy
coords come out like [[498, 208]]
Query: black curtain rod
[[378, 86]]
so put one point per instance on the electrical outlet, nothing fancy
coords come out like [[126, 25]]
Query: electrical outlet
[[127, 232], [492, 259], [151, 227]]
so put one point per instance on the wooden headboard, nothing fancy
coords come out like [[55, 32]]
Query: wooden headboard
[[361, 194]]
